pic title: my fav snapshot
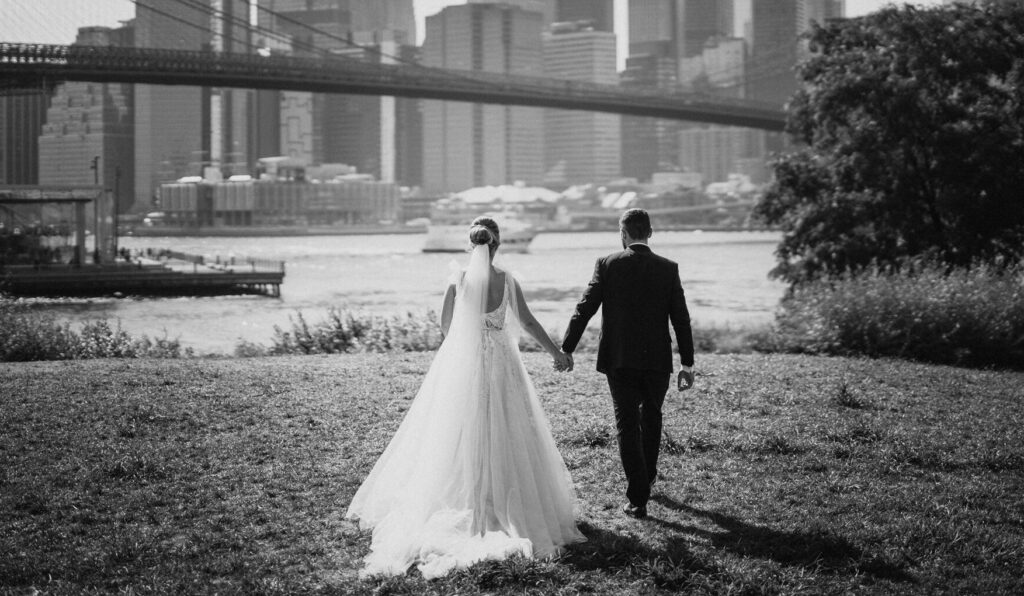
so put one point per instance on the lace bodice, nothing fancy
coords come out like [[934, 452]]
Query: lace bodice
[[496, 318]]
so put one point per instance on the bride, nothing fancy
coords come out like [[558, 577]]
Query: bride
[[472, 472]]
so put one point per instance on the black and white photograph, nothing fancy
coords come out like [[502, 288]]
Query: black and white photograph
[[506, 297]]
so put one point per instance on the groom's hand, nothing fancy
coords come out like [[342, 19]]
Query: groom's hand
[[563, 362], [685, 379]]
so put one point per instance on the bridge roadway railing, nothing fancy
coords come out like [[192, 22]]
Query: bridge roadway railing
[[31, 62]]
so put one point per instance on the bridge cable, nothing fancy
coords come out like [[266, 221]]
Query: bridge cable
[[310, 47]]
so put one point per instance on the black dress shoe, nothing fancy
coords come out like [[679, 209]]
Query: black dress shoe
[[633, 511]]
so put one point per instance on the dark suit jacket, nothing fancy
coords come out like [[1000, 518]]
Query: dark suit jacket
[[640, 294]]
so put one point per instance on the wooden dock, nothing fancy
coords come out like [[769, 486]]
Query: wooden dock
[[166, 277]]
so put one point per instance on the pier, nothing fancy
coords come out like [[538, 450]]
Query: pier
[[46, 250], [167, 273]]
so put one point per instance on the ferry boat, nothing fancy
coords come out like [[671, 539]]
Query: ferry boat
[[516, 235], [521, 212]]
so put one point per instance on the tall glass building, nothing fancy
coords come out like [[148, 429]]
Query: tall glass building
[[581, 147], [467, 145]]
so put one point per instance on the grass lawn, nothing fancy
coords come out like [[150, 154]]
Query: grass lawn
[[782, 474]]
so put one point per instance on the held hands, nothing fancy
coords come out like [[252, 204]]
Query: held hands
[[685, 379], [563, 362]]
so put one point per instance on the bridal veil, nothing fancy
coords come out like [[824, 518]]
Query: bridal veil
[[472, 472]]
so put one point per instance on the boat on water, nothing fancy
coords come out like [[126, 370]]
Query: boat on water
[[521, 212], [516, 235]]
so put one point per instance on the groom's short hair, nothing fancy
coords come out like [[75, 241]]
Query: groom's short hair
[[636, 223]]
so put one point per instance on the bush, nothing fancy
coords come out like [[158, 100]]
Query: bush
[[972, 317], [27, 336], [344, 331]]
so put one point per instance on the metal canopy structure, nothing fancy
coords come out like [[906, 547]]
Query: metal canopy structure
[[79, 196]]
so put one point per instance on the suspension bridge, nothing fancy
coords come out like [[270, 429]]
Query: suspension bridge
[[37, 66]]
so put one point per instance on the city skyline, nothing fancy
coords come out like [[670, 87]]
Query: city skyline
[[34, 21]]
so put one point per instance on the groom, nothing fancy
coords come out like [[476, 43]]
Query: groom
[[640, 294]]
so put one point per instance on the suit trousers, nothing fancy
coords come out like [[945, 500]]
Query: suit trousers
[[638, 396]]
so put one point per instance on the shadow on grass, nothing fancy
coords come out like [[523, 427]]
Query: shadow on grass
[[821, 551], [670, 566]]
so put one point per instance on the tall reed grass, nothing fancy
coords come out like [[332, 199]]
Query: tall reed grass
[[344, 331], [27, 335], [971, 317]]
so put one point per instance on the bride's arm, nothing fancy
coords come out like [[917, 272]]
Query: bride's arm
[[447, 309], [530, 324]]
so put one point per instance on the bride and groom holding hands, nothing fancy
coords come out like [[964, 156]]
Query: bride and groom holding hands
[[473, 472]]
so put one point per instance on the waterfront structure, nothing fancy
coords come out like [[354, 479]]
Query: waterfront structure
[[21, 120], [581, 147], [467, 145], [172, 133], [42, 226], [88, 135], [342, 200]]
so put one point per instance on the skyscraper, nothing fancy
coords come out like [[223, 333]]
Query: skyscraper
[[467, 145], [353, 129], [396, 16], [663, 35], [653, 28], [649, 144], [775, 45], [362, 129], [171, 122], [21, 120], [581, 147], [315, 28], [87, 138], [600, 13], [701, 20], [232, 143]]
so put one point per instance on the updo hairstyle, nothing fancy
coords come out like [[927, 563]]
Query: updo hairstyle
[[484, 230]]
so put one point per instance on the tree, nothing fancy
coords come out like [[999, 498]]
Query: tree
[[909, 128]]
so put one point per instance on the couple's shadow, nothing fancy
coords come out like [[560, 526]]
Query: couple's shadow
[[821, 551]]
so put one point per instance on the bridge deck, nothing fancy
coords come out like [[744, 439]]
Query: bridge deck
[[35, 65]]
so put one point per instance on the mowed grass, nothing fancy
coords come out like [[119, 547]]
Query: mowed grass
[[782, 474]]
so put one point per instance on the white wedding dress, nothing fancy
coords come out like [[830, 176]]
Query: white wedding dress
[[472, 472]]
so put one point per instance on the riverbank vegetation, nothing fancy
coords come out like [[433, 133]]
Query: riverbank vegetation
[[900, 205], [781, 474], [966, 317], [26, 335], [344, 331]]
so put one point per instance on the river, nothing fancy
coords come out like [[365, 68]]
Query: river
[[724, 274]]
